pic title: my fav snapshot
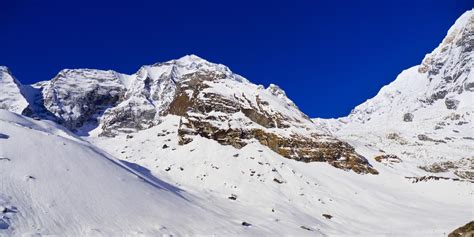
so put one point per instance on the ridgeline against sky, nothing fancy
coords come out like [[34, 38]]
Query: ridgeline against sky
[[328, 57]]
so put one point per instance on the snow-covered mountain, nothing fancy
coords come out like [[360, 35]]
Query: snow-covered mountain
[[211, 101], [189, 147], [426, 116]]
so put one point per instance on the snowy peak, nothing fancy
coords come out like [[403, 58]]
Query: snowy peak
[[11, 96], [188, 59], [442, 84], [449, 66], [425, 116]]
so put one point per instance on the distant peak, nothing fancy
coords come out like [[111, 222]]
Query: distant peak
[[190, 59]]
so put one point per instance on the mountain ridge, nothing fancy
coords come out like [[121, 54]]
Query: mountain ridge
[[212, 101]]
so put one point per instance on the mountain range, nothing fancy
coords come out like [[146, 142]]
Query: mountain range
[[188, 147]]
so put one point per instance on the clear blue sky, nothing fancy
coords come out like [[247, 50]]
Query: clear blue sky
[[329, 56]]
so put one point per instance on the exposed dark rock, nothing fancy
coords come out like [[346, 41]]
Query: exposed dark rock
[[423, 137], [451, 103], [305, 228], [396, 137], [464, 231], [439, 95], [388, 158], [278, 181], [465, 174], [432, 177], [195, 120], [327, 216], [408, 117], [30, 177], [246, 224], [439, 167], [469, 86]]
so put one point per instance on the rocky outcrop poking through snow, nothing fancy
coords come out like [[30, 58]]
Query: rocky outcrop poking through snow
[[463, 231], [236, 113]]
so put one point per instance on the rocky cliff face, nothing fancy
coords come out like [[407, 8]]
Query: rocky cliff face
[[212, 101], [233, 111]]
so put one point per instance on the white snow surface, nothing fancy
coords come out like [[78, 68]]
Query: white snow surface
[[11, 97], [53, 183], [361, 205]]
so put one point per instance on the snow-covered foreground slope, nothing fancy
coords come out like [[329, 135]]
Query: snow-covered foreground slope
[[286, 196], [53, 183]]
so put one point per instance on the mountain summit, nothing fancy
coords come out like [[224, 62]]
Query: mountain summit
[[425, 116]]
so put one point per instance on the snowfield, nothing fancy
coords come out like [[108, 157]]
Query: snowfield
[[357, 203], [55, 183]]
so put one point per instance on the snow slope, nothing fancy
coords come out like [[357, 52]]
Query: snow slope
[[73, 188], [285, 195], [53, 183]]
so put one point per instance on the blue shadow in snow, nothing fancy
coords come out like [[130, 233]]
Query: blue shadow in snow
[[147, 176]]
